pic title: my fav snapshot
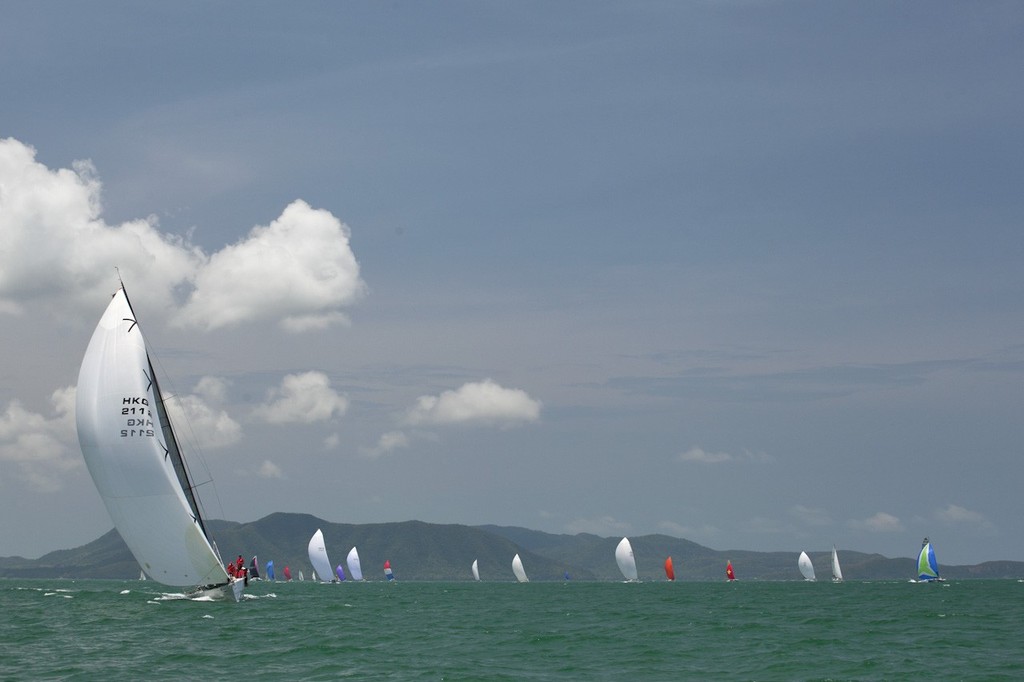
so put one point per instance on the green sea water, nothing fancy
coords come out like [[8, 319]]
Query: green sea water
[[133, 630]]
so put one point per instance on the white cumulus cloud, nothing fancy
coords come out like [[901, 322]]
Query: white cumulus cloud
[[37, 449], [202, 415], [700, 455], [956, 514], [879, 523], [482, 402], [392, 440], [299, 271], [269, 470], [302, 399]]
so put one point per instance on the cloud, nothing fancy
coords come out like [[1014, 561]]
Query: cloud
[[269, 470], [40, 450], [332, 441], [392, 440], [698, 454], [604, 526], [810, 516], [201, 414], [957, 514], [879, 523], [302, 399], [299, 271], [484, 403]]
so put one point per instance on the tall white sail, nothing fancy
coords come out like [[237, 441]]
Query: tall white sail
[[132, 454], [476, 571], [354, 569], [518, 570], [837, 573], [318, 557], [624, 558], [805, 566]]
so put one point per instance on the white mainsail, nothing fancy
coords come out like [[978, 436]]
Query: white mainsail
[[476, 571], [354, 569], [517, 568], [624, 558], [837, 573], [805, 566], [132, 454], [318, 557]]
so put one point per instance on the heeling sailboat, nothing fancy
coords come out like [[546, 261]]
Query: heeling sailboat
[[254, 569], [133, 456], [354, 567], [318, 556], [476, 571], [805, 566], [624, 558], [837, 573], [927, 566], [518, 570]]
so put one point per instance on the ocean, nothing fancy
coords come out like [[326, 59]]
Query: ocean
[[134, 630]]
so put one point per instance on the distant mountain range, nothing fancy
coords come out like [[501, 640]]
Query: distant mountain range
[[429, 551]]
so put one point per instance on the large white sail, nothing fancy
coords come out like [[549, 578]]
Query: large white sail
[[837, 573], [518, 570], [318, 557], [354, 569], [624, 558], [476, 571], [133, 457], [805, 566]]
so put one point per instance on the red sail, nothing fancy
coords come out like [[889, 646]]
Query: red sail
[[669, 571], [728, 571], [287, 573]]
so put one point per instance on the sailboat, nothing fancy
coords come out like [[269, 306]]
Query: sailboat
[[270, 570], [302, 576], [624, 558], [476, 571], [518, 570], [670, 572], [388, 573], [142, 575], [340, 572], [837, 573], [354, 569], [318, 556], [927, 566], [254, 569], [805, 566], [287, 574], [133, 456], [729, 574]]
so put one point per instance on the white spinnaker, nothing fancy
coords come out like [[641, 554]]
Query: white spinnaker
[[476, 571], [805, 565], [624, 558], [354, 569], [318, 556], [124, 449], [518, 570]]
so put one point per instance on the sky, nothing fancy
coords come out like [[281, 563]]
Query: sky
[[746, 273]]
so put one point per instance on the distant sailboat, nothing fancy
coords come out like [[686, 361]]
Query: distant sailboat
[[566, 575], [288, 574], [302, 576], [518, 570], [624, 558], [837, 573], [805, 566], [354, 569], [318, 556], [927, 566], [270, 569], [476, 571], [142, 575], [132, 454], [729, 574], [670, 572], [254, 569], [340, 572], [388, 573]]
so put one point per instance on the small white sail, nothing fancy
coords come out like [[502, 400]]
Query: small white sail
[[805, 565], [354, 569], [837, 573], [318, 557], [624, 558], [518, 570], [476, 571]]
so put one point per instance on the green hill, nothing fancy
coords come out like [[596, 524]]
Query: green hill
[[427, 551]]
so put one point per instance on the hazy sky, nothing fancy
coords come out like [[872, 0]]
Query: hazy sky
[[746, 273]]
